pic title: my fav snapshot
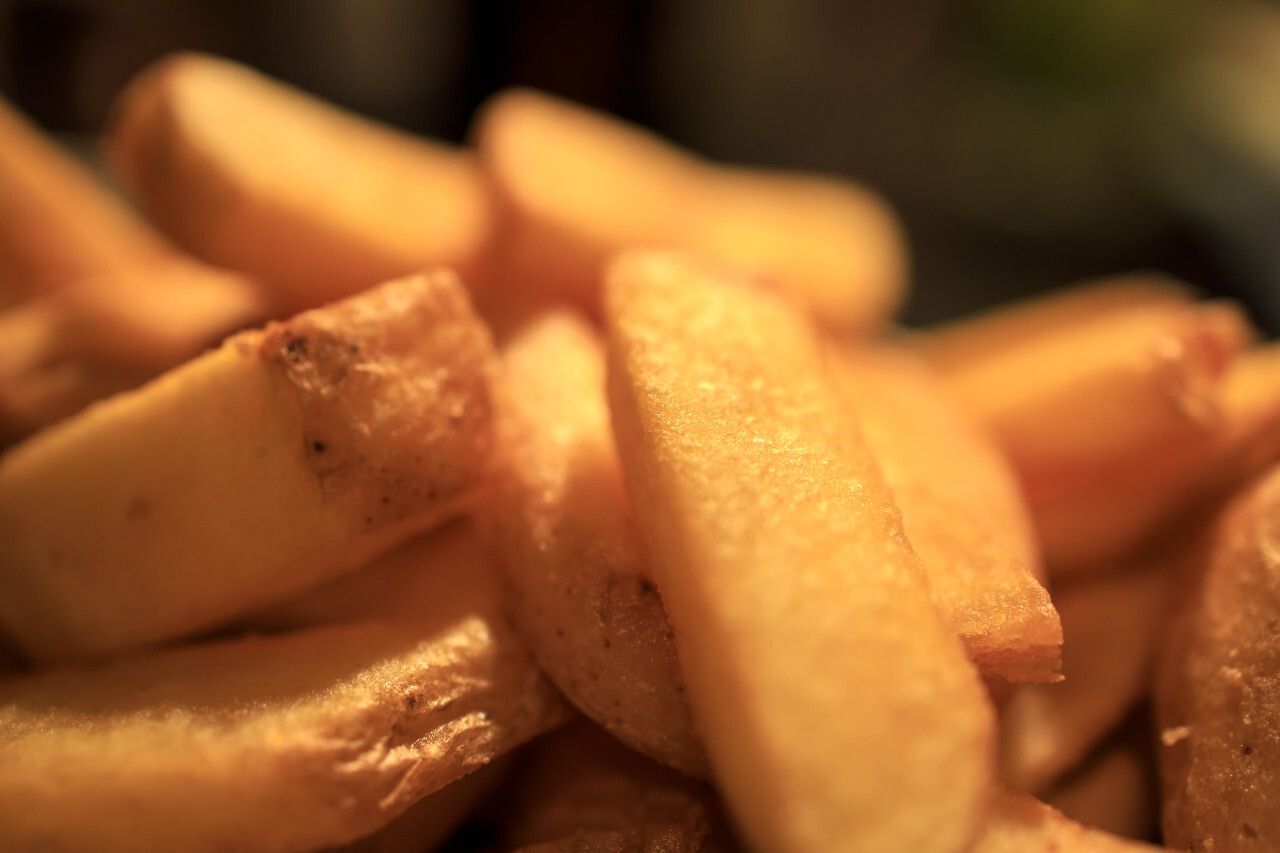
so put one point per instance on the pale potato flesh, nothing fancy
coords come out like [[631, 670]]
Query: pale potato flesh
[[1021, 824], [261, 744], [1218, 695], [253, 175], [805, 626], [582, 594], [286, 457], [961, 509]]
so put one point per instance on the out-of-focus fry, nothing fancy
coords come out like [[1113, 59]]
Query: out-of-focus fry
[[806, 629], [991, 335], [574, 187], [582, 594], [579, 781], [256, 176], [289, 743], [1218, 695], [1114, 792], [962, 512], [1111, 627], [285, 458], [1101, 525], [57, 225], [110, 332], [1071, 403], [1021, 824]]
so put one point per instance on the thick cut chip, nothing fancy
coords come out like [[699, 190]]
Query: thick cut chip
[[1112, 626], [1144, 497], [1218, 696], [256, 176], [1071, 403], [57, 225], [1021, 824], [962, 512], [282, 744], [283, 459], [582, 594], [573, 187], [579, 785], [839, 711], [1114, 792]]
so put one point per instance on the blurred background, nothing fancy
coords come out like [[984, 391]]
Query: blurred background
[[1026, 144]]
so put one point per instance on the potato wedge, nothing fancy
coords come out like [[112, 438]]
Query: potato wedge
[[1071, 404], [1218, 696], [281, 744], [961, 509], [582, 594], [1021, 824], [805, 626], [1147, 497], [573, 187], [253, 175], [285, 458], [1112, 627], [57, 225]]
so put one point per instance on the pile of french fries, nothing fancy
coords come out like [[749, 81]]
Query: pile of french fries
[[352, 465]]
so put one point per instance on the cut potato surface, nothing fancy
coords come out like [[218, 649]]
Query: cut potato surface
[[1218, 696], [574, 186], [582, 594], [961, 509], [805, 626], [283, 744], [285, 458], [257, 176]]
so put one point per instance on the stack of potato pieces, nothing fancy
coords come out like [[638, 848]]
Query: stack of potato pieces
[[575, 427]]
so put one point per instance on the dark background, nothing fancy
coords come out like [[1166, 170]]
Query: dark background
[[1027, 144]]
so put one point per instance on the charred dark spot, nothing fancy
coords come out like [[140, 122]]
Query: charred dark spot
[[1249, 831], [568, 590], [368, 519], [646, 587], [410, 701], [319, 446], [296, 349], [679, 688], [353, 349], [595, 676], [1246, 750], [560, 633], [386, 499], [607, 644], [671, 635]]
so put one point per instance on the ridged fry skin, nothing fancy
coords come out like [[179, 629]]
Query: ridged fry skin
[[962, 511], [256, 176], [839, 711], [581, 592], [286, 457], [288, 743], [572, 187], [1218, 694]]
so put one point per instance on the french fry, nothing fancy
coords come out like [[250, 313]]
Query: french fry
[[1218, 697], [1113, 792], [805, 626], [293, 742], [573, 187], [578, 785], [253, 175], [1021, 824], [994, 334], [56, 224], [961, 509], [1143, 498], [1071, 403], [583, 596], [1111, 628], [286, 457]]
